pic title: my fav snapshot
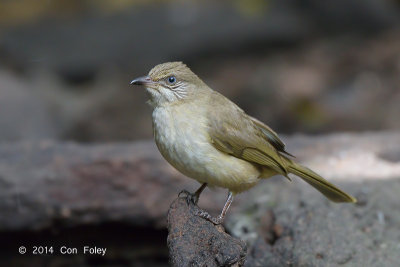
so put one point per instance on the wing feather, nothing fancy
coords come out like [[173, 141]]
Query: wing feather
[[235, 133], [271, 136]]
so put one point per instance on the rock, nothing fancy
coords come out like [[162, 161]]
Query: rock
[[48, 185], [194, 241], [262, 254]]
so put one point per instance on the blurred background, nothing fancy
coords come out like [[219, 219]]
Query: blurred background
[[301, 66]]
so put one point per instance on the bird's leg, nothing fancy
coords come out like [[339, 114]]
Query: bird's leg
[[193, 197], [228, 203], [221, 217], [198, 192]]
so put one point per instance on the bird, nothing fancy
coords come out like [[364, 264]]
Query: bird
[[207, 137]]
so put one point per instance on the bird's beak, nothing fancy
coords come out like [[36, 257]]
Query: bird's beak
[[145, 80]]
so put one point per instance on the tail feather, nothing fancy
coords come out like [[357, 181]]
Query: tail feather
[[326, 188]]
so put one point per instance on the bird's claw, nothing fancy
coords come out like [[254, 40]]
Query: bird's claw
[[185, 192], [193, 198], [205, 215]]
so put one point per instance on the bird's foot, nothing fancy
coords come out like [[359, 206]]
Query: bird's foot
[[190, 197], [193, 199], [205, 215]]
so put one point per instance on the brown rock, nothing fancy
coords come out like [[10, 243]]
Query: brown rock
[[194, 241]]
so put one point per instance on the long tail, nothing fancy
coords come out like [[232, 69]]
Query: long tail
[[319, 183]]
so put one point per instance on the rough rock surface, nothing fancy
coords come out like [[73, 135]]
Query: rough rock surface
[[193, 241], [55, 186]]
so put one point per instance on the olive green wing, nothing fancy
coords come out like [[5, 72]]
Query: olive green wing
[[271, 136], [235, 133]]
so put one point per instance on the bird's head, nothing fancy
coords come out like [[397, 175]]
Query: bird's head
[[170, 82]]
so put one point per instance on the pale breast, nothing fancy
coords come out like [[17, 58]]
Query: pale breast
[[181, 136]]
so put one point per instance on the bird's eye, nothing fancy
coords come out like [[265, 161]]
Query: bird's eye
[[171, 79]]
